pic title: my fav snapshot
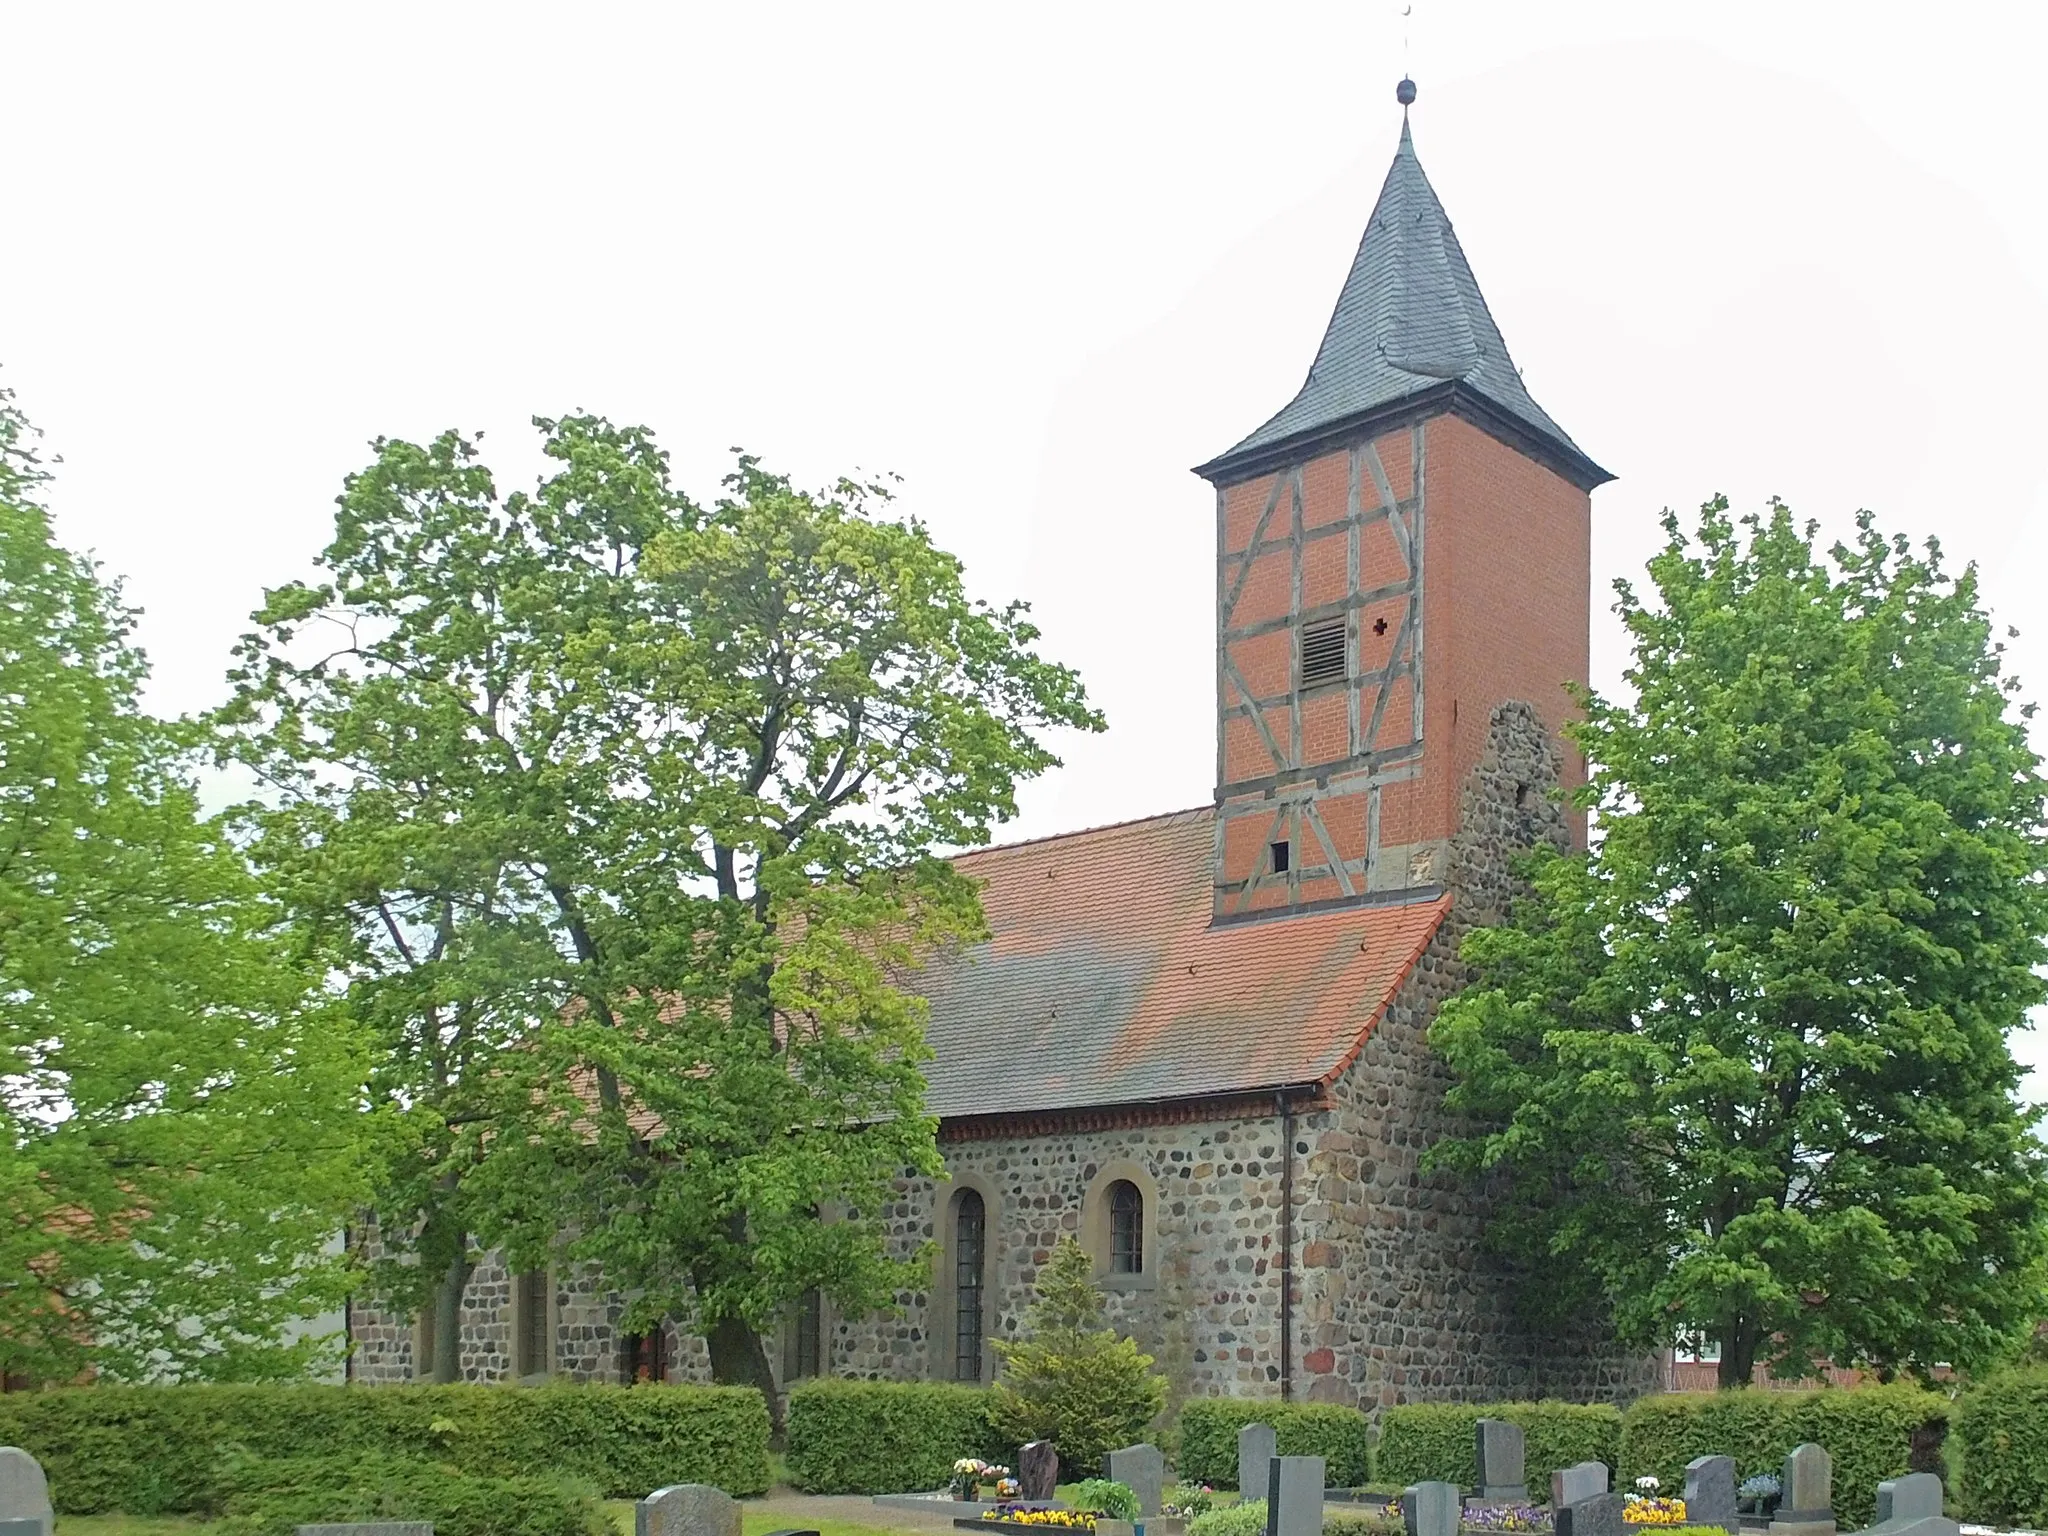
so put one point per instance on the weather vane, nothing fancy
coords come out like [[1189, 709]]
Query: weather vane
[[1405, 91]]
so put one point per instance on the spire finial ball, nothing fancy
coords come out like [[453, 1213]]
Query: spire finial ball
[[1404, 93]]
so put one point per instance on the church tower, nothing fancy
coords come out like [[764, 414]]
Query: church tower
[[1400, 550]]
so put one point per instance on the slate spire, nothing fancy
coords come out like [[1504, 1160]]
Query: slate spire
[[1410, 321]]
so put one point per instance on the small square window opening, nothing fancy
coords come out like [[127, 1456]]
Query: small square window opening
[[1280, 852]]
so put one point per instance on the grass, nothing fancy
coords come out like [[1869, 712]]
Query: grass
[[754, 1522]]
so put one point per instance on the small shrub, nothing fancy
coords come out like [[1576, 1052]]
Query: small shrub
[[2001, 1429], [1208, 1438], [885, 1436], [1366, 1523], [1245, 1518], [1100, 1496], [1070, 1379], [270, 1496], [1434, 1442]]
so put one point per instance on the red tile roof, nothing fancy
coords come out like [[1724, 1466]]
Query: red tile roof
[[1105, 984]]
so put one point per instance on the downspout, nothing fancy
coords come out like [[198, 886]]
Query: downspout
[[1284, 1106]]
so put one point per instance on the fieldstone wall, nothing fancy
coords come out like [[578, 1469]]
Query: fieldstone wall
[[1400, 1301], [1208, 1307], [584, 1326]]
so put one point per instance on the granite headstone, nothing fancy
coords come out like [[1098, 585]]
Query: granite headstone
[[1038, 1472], [1294, 1496], [1257, 1444], [1806, 1504], [366, 1528], [1142, 1469], [1578, 1482], [687, 1509], [1601, 1515], [1710, 1493], [24, 1491], [1430, 1509], [1916, 1496], [1500, 1449]]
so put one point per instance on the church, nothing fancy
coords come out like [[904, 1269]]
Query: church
[[1196, 1042]]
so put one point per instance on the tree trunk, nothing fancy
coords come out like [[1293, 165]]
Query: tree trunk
[[739, 1359], [448, 1313], [1738, 1354]]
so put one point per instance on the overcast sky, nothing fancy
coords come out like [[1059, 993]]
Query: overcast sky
[[1037, 260]]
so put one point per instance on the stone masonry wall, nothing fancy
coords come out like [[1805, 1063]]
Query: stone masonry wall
[[584, 1330], [1400, 1300]]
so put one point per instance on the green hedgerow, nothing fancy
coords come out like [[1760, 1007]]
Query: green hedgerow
[[2001, 1429], [271, 1496]]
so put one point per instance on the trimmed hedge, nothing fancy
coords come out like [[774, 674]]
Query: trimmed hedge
[[885, 1436], [158, 1449], [1435, 1442], [2001, 1433], [1871, 1433], [270, 1496], [1208, 1438]]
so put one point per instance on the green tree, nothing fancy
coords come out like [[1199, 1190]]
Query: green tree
[[1071, 1379], [1745, 1066], [179, 1096], [668, 780]]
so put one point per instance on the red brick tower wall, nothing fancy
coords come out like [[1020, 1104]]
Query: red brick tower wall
[[1459, 570], [1512, 608]]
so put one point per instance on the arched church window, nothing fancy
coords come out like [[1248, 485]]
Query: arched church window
[[643, 1357], [1126, 1229], [970, 1246], [803, 1349]]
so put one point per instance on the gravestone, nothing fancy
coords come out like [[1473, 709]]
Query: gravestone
[[1257, 1444], [1294, 1496], [1911, 1506], [1601, 1515], [1038, 1472], [363, 1528], [1430, 1509], [1500, 1449], [1710, 1493], [1114, 1527], [21, 1528], [1806, 1505], [687, 1509], [24, 1491], [1142, 1469], [1577, 1483], [1914, 1497]]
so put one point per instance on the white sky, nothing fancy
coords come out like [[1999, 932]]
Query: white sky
[[1038, 260]]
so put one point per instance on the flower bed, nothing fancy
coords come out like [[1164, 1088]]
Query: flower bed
[[1646, 1507], [1038, 1515]]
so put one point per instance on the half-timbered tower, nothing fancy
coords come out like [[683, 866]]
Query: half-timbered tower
[[1198, 1042], [1398, 550]]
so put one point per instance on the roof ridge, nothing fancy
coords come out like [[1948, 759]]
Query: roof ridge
[[1055, 837]]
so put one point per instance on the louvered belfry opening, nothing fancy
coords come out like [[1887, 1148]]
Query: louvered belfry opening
[[1322, 653]]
